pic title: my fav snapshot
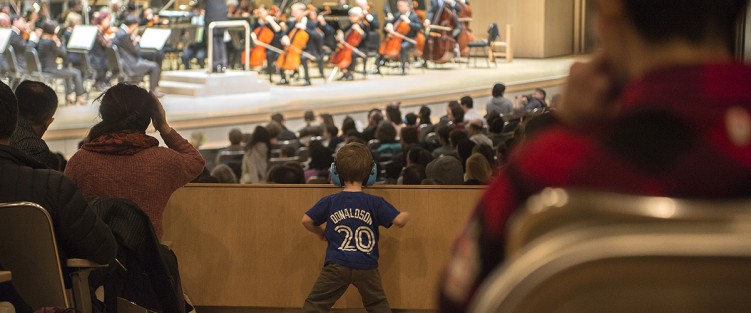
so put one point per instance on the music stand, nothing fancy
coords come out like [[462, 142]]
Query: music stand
[[82, 38], [4, 39], [154, 39]]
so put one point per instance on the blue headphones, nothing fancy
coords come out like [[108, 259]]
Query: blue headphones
[[337, 181]]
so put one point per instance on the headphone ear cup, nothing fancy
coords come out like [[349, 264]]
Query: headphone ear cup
[[373, 175], [335, 179]]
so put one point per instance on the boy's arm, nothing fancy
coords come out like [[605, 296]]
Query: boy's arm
[[401, 219], [310, 225]]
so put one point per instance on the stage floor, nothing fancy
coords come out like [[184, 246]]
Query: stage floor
[[417, 88]]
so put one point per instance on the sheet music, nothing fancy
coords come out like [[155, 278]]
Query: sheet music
[[155, 38], [83, 37], [4, 38]]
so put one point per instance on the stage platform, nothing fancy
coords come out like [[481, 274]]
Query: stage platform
[[419, 87]]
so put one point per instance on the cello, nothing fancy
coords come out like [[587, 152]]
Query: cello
[[465, 36], [392, 45], [342, 57], [264, 34], [439, 45]]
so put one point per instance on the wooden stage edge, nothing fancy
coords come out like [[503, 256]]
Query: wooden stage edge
[[262, 117]]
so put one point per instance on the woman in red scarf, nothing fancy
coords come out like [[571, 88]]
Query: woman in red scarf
[[119, 160]]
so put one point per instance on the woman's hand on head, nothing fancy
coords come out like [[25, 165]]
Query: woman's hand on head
[[159, 120]]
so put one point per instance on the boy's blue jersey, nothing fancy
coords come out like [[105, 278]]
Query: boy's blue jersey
[[352, 227]]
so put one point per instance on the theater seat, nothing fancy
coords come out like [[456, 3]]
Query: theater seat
[[580, 251]]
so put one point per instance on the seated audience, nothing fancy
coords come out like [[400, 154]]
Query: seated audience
[[224, 174], [285, 134], [443, 132], [530, 103], [320, 162], [488, 153], [394, 114], [664, 132], [418, 155], [256, 160], [311, 129], [387, 143], [119, 160], [455, 115], [235, 145], [37, 104], [287, 174], [79, 232], [445, 170], [479, 171], [410, 119], [499, 104], [375, 117], [132, 62], [413, 174], [464, 150], [476, 133], [50, 48], [470, 113]]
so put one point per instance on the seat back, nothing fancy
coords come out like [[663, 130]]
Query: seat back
[[10, 58], [33, 66], [28, 248], [701, 267], [493, 32]]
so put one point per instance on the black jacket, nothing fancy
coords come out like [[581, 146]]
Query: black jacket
[[48, 53], [80, 233]]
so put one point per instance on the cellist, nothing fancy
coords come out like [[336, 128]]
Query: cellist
[[435, 7], [266, 22], [358, 25], [405, 15], [301, 23]]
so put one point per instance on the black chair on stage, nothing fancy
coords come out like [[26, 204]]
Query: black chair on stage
[[14, 75], [114, 65], [476, 47], [34, 67]]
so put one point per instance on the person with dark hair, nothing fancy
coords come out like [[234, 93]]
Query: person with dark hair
[[443, 132], [375, 117], [425, 116], [224, 174], [37, 104], [256, 159], [455, 115], [532, 102], [50, 48], [349, 127], [499, 104], [648, 114], [357, 265], [330, 137], [119, 160], [18, 25], [410, 119], [286, 174], [455, 136], [286, 134], [394, 115], [80, 233], [310, 129], [464, 149], [418, 155], [470, 113], [386, 135], [320, 161], [413, 174], [132, 63]]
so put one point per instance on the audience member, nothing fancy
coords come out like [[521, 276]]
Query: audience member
[[418, 155], [224, 174], [443, 132], [394, 115], [413, 174], [410, 119], [119, 160], [330, 137], [445, 170], [488, 153], [320, 161], [375, 117], [286, 174], [256, 159], [470, 113], [649, 114], [464, 150], [425, 116], [499, 104], [310, 129], [387, 144], [479, 171], [274, 129], [285, 134], [455, 115], [37, 104], [80, 233], [476, 133]]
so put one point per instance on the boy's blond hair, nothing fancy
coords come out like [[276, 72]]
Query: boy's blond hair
[[353, 162]]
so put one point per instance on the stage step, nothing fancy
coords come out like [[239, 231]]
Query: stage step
[[199, 83]]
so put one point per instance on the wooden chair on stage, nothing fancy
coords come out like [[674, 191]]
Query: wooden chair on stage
[[492, 47], [585, 251]]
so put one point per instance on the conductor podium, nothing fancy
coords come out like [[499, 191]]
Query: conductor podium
[[199, 83]]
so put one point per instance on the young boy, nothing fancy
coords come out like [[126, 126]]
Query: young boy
[[353, 218]]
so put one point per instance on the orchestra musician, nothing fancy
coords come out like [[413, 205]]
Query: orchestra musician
[[198, 48], [98, 55], [435, 7], [301, 23], [19, 26], [324, 32], [133, 64], [404, 15], [266, 19], [372, 41], [50, 48], [357, 24]]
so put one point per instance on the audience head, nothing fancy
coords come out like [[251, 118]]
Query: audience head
[[286, 174], [274, 129], [37, 103], [260, 136], [392, 171], [278, 117], [455, 112], [124, 107], [418, 155], [475, 127], [375, 117], [446, 170], [8, 113], [425, 115], [487, 152], [287, 151], [410, 119], [408, 136], [443, 132], [413, 174], [478, 168], [394, 114], [464, 148], [353, 163], [235, 137], [320, 156], [499, 90], [539, 94], [326, 119], [348, 124], [539, 123], [224, 174], [495, 124], [386, 132], [330, 131], [456, 136], [467, 103], [309, 116]]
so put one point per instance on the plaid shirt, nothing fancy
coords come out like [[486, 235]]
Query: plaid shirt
[[682, 132]]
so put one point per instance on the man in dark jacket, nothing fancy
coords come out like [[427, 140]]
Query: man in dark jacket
[[133, 64], [79, 232], [37, 104]]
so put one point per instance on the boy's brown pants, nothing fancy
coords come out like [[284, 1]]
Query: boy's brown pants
[[334, 281]]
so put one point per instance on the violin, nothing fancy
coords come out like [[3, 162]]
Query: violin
[[439, 46], [342, 57], [289, 60], [465, 36]]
